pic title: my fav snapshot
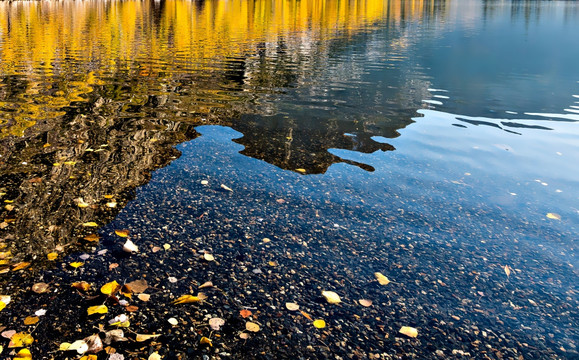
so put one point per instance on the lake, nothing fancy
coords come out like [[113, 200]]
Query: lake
[[260, 154]]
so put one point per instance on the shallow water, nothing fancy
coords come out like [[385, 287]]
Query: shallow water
[[434, 141]]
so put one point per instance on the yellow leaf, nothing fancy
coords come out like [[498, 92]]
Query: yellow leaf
[[89, 357], [4, 300], [51, 256], [364, 302], [2, 305], [205, 340], [332, 297], [301, 171], [20, 266], [190, 299], [320, 324], [122, 233], [64, 346], [112, 204], [76, 264], [208, 257], [23, 354], [507, 270], [143, 337], [166, 246], [92, 237], [409, 331], [253, 327], [31, 320], [154, 356], [99, 309], [108, 196], [90, 224], [554, 216], [20, 339], [383, 280], [110, 288]]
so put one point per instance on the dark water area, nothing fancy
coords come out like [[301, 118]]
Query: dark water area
[[305, 145]]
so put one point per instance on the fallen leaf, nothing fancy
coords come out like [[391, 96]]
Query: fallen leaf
[[138, 286], [110, 288], [208, 257], [554, 216], [409, 331], [95, 344], [80, 203], [20, 266], [113, 266], [144, 297], [172, 279], [272, 263], [332, 297], [80, 346], [52, 256], [216, 323], [307, 316], [114, 335], [205, 340], [108, 196], [173, 321], [204, 182], [8, 334], [154, 356], [189, 299], [98, 309], [64, 346], [301, 171], [92, 237], [130, 247], [40, 312], [40, 287], [21, 339], [82, 286], [365, 302], [225, 187], [76, 264], [253, 327], [23, 354], [31, 320], [166, 246], [206, 285], [143, 337], [156, 248], [245, 313], [122, 233], [132, 308], [292, 306], [244, 335], [90, 224], [111, 204], [320, 324], [89, 357], [9, 207], [382, 280], [507, 270]]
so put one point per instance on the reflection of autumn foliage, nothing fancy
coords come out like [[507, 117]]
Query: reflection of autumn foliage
[[94, 95]]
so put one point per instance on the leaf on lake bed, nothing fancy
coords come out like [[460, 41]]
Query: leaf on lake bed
[[554, 216], [20, 266], [130, 247], [292, 306], [206, 285], [245, 313], [92, 237], [409, 331], [320, 324], [40, 287], [208, 257], [143, 337], [144, 297], [307, 316], [82, 286], [365, 302], [23, 354], [122, 233], [507, 270], [206, 341], [216, 323], [185, 299], [251, 326], [4, 300], [90, 224], [52, 256], [31, 320], [382, 280], [98, 309], [138, 286], [76, 264], [21, 339], [331, 297]]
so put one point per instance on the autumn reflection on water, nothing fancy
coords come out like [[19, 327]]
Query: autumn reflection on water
[[94, 95]]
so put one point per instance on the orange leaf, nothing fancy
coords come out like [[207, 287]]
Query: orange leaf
[[245, 313]]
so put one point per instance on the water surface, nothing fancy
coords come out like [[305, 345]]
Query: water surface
[[432, 141]]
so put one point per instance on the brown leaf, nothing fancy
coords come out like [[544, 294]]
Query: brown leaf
[[306, 315], [132, 308], [365, 302], [113, 266], [82, 286], [92, 237], [144, 297], [94, 343], [206, 285], [40, 287], [20, 266], [31, 320], [138, 286]]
